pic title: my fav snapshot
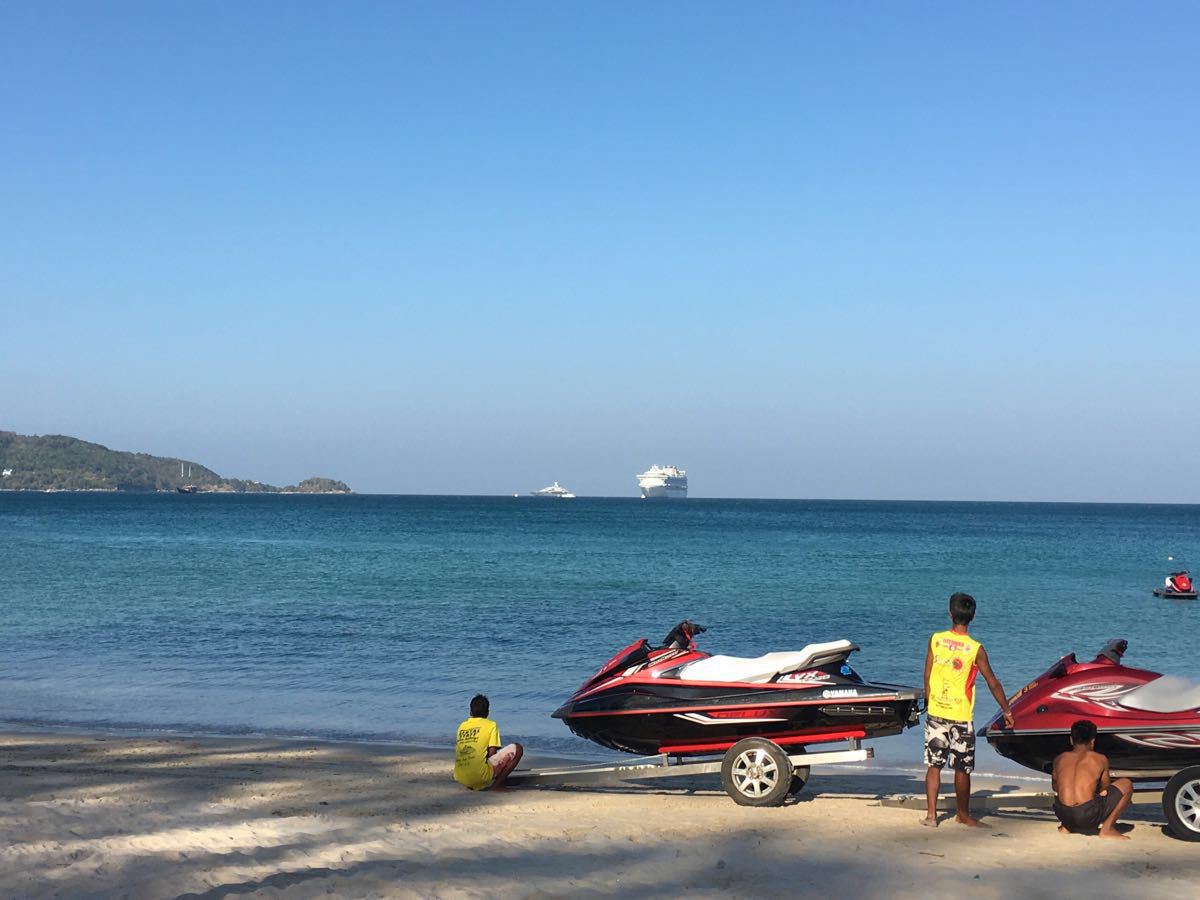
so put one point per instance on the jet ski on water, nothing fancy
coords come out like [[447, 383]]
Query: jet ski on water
[[1177, 585], [1148, 725], [675, 699]]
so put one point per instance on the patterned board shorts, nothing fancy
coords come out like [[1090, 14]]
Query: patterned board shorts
[[949, 743]]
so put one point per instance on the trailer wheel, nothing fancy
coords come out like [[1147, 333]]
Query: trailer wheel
[[1181, 804], [756, 772]]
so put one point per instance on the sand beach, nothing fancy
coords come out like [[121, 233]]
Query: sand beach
[[149, 817]]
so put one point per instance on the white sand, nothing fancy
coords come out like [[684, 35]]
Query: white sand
[[86, 816]]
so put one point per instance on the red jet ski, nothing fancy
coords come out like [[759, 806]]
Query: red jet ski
[[1178, 586], [678, 700], [1148, 725]]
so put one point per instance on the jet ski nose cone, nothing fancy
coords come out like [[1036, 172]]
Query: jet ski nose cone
[[563, 711]]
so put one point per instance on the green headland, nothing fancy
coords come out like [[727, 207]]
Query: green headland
[[56, 462]]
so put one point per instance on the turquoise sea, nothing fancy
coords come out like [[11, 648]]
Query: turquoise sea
[[377, 617]]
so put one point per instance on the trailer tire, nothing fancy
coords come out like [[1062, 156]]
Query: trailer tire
[[756, 772], [1181, 804]]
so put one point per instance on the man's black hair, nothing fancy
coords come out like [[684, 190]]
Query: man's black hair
[[962, 608], [1083, 733], [480, 706]]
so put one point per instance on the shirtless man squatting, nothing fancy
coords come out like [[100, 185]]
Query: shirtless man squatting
[[1085, 796]]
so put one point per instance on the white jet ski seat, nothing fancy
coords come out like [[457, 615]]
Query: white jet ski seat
[[1165, 694], [761, 669]]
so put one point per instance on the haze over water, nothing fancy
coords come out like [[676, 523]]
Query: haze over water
[[377, 617]]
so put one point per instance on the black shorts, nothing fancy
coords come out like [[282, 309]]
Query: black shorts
[[1090, 813]]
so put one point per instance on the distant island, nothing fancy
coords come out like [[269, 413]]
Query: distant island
[[55, 462]]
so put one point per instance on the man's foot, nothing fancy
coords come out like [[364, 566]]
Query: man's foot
[[969, 821], [1113, 834], [931, 821], [1063, 829], [499, 789]]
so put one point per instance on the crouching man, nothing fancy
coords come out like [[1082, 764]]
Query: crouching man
[[480, 763], [1085, 796]]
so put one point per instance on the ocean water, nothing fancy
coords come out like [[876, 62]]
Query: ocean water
[[378, 617]]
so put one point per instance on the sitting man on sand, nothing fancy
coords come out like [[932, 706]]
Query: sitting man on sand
[[480, 763], [1085, 796]]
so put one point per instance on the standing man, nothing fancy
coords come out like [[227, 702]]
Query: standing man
[[1085, 796], [480, 762], [951, 663]]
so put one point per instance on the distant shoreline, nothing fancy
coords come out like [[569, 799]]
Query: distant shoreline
[[56, 463], [192, 494], [586, 497]]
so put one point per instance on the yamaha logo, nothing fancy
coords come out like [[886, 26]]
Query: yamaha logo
[[839, 692]]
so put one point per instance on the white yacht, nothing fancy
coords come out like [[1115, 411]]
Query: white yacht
[[556, 492], [666, 482]]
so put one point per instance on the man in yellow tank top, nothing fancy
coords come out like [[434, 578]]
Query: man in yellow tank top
[[952, 661]]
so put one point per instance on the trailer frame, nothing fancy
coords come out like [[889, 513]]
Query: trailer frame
[[667, 765]]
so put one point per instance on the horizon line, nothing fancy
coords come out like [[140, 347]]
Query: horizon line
[[655, 502]]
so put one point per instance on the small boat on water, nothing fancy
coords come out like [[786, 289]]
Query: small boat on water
[[185, 488], [554, 492], [1177, 586]]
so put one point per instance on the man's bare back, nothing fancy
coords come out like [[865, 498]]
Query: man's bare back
[[1079, 776], [1086, 796]]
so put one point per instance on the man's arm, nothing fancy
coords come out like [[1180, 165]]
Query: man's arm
[[993, 683], [1105, 780], [493, 742], [1054, 775], [928, 668]]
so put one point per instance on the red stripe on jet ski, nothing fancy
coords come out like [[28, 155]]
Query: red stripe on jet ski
[[818, 737], [754, 713], [864, 700]]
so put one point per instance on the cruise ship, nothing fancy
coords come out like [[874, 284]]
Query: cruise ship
[[556, 492], [666, 482]]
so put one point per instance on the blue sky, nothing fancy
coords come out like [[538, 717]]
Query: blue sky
[[803, 250]]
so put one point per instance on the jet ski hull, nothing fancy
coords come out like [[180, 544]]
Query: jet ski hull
[[693, 720], [1175, 595], [1139, 738], [1145, 750]]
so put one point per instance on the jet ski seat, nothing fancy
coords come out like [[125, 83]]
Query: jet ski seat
[[761, 669], [1165, 694]]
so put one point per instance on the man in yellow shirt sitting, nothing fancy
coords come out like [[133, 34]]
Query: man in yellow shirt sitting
[[480, 763]]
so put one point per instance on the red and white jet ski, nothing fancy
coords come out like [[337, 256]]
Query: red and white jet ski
[[1179, 586], [678, 700], [1148, 725]]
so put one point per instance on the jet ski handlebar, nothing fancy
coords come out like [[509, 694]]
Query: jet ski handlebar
[[680, 637], [1113, 650]]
